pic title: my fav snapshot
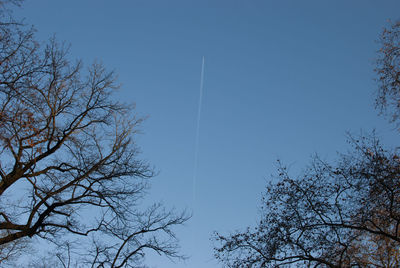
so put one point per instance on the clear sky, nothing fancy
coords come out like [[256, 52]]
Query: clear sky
[[283, 79]]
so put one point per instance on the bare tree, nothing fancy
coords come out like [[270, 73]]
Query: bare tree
[[68, 164], [388, 70], [341, 215], [338, 215]]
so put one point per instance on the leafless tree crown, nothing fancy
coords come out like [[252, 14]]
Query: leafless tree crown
[[388, 71], [342, 215], [345, 214], [69, 166]]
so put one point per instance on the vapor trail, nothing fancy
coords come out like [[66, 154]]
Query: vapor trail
[[196, 149]]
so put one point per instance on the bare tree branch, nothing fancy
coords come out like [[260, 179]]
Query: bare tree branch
[[67, 148]]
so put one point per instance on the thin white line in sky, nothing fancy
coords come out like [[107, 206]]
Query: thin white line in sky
[[196, 149]]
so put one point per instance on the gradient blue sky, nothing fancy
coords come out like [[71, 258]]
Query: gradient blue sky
[[283, 79]]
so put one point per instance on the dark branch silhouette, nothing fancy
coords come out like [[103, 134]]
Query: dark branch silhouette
[[341, 215], [69, 166], [388, 71]]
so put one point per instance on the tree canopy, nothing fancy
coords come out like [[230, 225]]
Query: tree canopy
[[332, 215], [70, 170], [341, 214], [388, 71]]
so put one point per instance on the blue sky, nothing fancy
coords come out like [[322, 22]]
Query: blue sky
[[283, 79]]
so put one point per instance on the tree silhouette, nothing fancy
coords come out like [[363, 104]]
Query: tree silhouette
[[388, 70], [345, 214], [69, 166], [338, 215]]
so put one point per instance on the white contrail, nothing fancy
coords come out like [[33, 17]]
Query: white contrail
[[196, 149]]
